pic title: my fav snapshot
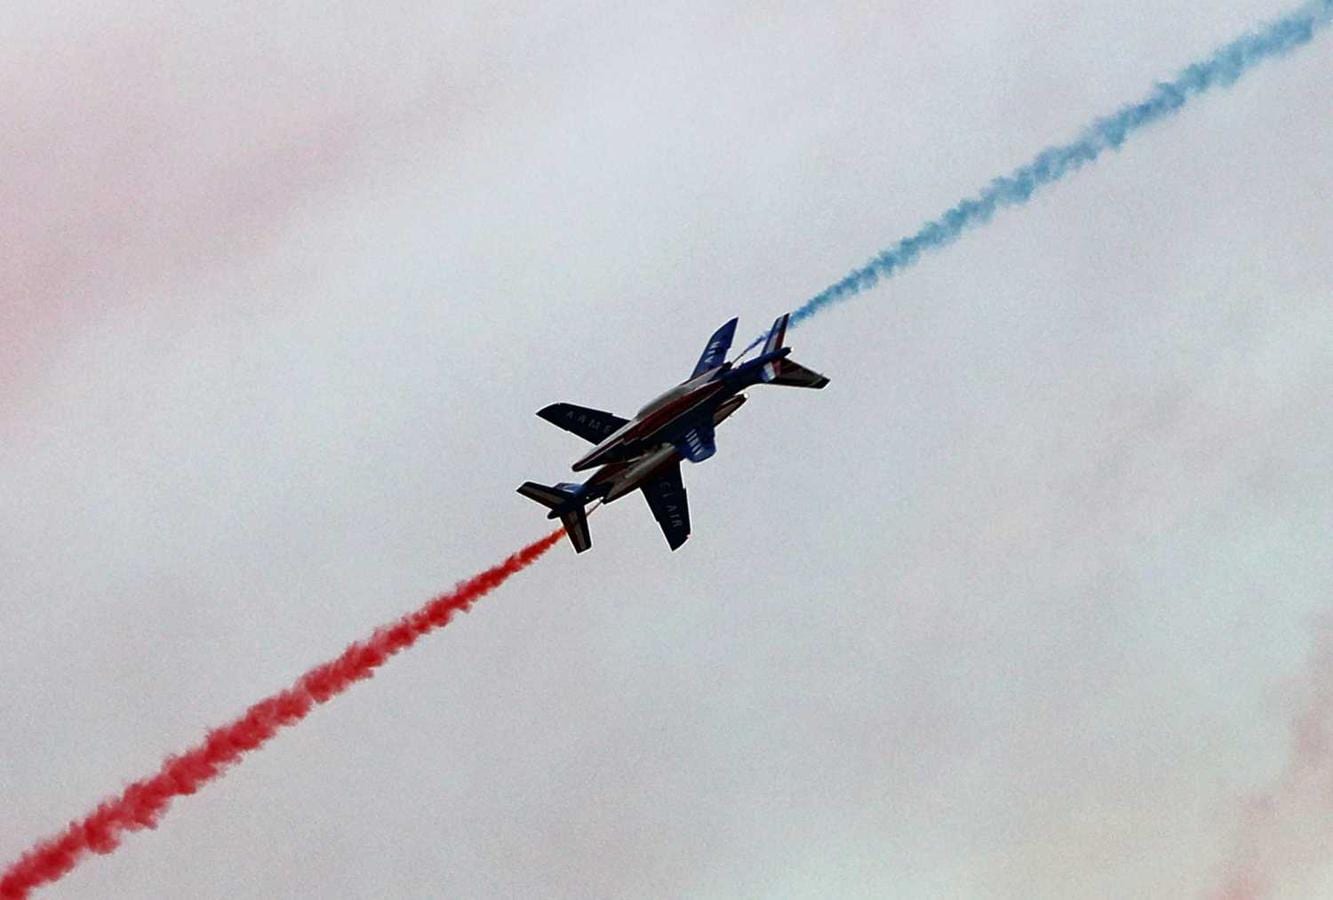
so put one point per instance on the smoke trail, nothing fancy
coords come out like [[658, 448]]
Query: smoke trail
[[142, 804], [1283, 830], [1221, 69]]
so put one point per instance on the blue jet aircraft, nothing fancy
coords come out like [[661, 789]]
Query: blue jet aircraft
[[645, 452]]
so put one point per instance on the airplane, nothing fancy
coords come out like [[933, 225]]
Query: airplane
[[645, 452]]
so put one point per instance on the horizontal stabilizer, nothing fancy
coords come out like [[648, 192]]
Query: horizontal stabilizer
[[593, 425], [795, 375], [549, 497]]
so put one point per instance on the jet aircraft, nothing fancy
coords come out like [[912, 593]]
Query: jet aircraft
[[645, 452]]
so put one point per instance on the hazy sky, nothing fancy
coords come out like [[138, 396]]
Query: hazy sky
[[1021, 606]]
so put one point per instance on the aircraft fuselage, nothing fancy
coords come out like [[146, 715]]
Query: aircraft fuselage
[[614, 480], [667, 418], [644, 454]]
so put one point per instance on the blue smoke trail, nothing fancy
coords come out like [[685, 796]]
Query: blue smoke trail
[[1221, 69]]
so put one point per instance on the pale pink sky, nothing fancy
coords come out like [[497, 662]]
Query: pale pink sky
[[1022, 605]]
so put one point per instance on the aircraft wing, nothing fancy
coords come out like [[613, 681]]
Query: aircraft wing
[[666, 498], [715, 354], [593, 425]]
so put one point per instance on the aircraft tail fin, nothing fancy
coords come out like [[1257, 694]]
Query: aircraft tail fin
[[715, 354], [563, 501], [783, 371], [776, 335]]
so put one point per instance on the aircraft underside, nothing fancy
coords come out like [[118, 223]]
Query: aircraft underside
[[644, 453]]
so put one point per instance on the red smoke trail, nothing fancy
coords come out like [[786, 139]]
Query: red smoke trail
[[142, 803], [1283, 836]]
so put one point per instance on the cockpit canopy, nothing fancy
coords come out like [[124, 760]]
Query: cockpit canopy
[[679, 390]]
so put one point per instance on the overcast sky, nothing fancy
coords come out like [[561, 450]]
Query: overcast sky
[[1021, 606]]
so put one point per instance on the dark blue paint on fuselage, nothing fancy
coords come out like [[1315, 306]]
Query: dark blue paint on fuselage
[[670, 420], [731, 381]]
